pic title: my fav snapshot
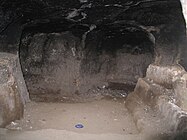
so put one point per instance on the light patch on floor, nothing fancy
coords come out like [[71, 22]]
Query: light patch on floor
[[51, 134]]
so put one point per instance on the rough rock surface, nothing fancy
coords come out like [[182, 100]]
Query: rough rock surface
[[91, 41], [58, 64], [162, 18], [72, 47], [165, 95], [13, 92]]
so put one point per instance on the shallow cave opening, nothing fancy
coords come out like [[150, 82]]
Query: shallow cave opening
[[83, 64], [93, 67]]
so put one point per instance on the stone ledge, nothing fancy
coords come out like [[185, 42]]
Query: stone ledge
[[164, 75], [154, 93]]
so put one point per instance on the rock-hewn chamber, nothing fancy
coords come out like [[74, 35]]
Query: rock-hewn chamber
[[76, 50]]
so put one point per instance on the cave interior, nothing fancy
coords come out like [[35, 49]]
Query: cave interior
[[85, 50]]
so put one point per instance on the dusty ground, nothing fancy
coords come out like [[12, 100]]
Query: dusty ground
[[52, 134], [104, 116], [104, 119]]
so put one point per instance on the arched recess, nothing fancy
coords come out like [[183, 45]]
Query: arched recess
[[65, 66]]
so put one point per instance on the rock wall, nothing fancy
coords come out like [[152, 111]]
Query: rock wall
[[161, 100], [13, 95], [77, 46], [71, 47], [58, 66]]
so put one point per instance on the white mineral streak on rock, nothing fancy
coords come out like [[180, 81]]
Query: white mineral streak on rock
[[184, 6], [73, 13], [92, 27], [83, 1]]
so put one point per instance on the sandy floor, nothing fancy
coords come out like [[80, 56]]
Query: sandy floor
[[104, 116], [52, 134], [104, 119]]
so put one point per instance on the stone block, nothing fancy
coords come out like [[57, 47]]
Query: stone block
[[180, 88], [164, 75], [173, 115]]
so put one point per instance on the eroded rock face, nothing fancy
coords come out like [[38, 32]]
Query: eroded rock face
[[60, 64], [163, 19], [161, 98], [13, 93], [71, 47]]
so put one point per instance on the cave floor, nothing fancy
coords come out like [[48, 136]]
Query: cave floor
[[103, 119], [53, 134], [103, 116]]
